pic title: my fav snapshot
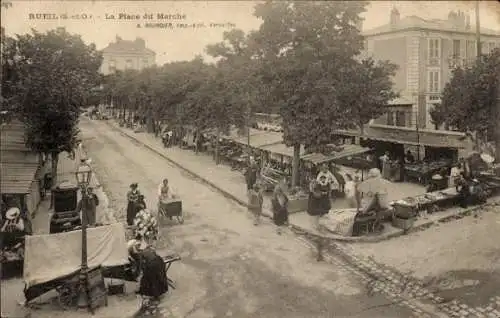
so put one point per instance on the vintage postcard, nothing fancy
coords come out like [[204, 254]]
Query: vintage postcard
[[211, 159]]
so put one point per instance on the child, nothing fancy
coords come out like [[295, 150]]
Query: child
[[255, 201]]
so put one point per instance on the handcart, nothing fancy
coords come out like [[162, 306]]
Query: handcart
[[170, 209], [52, 262]]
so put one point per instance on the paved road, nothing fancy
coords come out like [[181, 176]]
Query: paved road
[[230, 268]]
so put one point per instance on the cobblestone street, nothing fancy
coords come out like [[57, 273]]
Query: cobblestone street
[[230, 267]]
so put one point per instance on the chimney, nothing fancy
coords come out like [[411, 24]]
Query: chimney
[[395, 16], [118, 39]]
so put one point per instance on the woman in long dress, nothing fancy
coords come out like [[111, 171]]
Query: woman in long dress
[[133, 199], [280, 207]]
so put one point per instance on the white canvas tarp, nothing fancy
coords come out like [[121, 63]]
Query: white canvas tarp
[[51, 256], [339, 222]]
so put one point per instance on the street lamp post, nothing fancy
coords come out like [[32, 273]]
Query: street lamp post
[[83, 175]]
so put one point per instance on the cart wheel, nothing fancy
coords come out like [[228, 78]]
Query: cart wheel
[[180, 219]]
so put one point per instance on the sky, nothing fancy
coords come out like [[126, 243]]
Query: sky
[[185, 43]]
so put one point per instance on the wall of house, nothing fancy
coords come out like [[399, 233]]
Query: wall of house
[[138, 61], [395, 50]]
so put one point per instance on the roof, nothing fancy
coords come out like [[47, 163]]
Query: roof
[[12, 137], [17, 177], [409, 136], [414, 22], [347, 150], [125, 46]]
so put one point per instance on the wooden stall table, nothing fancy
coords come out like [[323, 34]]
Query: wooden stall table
[[422, 172]]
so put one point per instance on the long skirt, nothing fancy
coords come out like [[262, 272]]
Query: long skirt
[[131, 212], [154, 280]]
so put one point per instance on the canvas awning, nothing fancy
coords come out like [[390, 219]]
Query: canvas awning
[[347, 151], [409, 136], [259, 138], [17, 177], [281, 149]]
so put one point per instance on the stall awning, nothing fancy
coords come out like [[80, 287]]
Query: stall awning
[[17, 177], [347, 150], [261, 138], [409, 136], [281, 149]]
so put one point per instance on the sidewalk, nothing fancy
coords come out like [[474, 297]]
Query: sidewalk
[[66, 172], [232, 185]]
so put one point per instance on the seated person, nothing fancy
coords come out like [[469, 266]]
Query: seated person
[[437, 183], [374, 191], [13, 221]]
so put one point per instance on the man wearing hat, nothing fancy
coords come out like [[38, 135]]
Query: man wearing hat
[[13, 221], [133, 198]]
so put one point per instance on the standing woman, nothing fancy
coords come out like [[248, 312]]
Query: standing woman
[[133, 199], [280, 206], [314, 203]]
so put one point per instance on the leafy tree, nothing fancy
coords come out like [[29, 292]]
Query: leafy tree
[[55, 71], [367, 90], [305, 48], [470, 100]]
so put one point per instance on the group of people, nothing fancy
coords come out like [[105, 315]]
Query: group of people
[[153, 282], [279, 203]]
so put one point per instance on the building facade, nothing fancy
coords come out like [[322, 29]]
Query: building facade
[[124, 54], [426, 52]]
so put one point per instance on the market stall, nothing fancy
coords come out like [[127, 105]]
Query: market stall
[[423, 171]]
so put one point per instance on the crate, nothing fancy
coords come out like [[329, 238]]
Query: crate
[[404, 224], [404, 211]]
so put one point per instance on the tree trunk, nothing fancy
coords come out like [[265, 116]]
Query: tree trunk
[[217, 159], [150, 124], [361, 129], [196, 136], [295, 165], [54, 156]]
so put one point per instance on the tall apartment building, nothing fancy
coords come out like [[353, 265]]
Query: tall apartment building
[[426, 52], [123, 54]]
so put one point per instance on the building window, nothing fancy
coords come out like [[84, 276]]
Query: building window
[[491, 47], [145, 62], [390, 118], [433, 83], [400, 118], [456, 49], [128, 64], [112, 66], [434, 51]]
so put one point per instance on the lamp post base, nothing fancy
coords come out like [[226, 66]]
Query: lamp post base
[[83, 291]]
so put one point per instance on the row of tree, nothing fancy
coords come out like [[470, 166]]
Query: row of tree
[[46, 78], [303, 62]]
